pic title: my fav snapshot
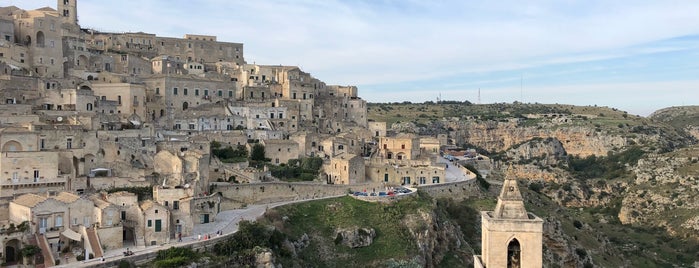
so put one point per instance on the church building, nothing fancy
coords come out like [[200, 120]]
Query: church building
[[511, 237]]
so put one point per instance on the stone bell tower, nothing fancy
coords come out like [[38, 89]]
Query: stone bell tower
[[68, 11], [511, 237]]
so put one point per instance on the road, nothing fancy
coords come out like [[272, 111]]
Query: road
[[454, 173]]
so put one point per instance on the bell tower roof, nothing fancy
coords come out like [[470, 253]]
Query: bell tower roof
[[510, 203]]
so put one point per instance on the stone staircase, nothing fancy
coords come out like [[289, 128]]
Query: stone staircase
[[94, 242], [40, 241]]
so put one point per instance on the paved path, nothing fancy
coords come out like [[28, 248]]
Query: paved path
[[226, 221], [454, 173]]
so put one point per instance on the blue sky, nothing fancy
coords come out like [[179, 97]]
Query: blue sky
[[638, 56]]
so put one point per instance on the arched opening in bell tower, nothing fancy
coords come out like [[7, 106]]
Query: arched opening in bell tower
[[513, 254]]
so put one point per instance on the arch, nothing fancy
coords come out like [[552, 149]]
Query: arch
[[185, 106], [40, 39], [12, 146], [90, 78], [514, 258], [82, 62], [12, 251], [400, 156]]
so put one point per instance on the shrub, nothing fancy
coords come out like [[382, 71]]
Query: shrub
[[535, 186]]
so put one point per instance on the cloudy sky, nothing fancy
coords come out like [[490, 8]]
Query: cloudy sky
[[638, 55]]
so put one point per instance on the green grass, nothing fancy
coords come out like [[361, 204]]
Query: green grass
[[321, 219]]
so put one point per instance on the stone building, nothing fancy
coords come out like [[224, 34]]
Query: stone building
[[405, 172], [280, 151], [345, 168], [400, 147], [156, 230], [511, 237]]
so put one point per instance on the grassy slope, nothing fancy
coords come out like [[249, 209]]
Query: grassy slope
[[320, 219], [678, 117], [603, 118]]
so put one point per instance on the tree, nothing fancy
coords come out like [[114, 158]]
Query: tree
[[30, 251], [258, 152]]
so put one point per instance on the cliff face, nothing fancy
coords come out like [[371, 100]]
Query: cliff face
[[665, 193], [499, 136], [435, 238]]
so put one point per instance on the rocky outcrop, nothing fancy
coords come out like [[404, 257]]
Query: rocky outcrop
[[547, 151], [499, 136], [355, 237], [665, 193], [435, 238], [264, 258]]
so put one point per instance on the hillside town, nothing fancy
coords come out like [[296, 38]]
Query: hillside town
[[89, 119]]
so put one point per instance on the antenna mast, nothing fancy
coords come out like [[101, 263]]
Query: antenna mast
[[521, 88], [479, 95]]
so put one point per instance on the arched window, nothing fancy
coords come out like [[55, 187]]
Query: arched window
[[513, 254], [185, 105], [40, 39]]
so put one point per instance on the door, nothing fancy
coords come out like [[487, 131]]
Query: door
[[158, 225], [43, 223]]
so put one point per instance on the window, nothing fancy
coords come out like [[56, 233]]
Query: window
[[196, 92], [75, 221], [220, 93], [43, 223], [175, 205], [184, 91], [69, 143], [119, 100], [157, 91], [36, 175], [123, 215], [230, 94], [174, 91], [166, 203], [150, 223], [42, 144], [206, 92], [59, 221]]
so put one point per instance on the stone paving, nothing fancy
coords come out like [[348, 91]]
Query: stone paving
[[453, 172]]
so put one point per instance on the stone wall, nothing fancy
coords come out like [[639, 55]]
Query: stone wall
[[456, 190], [111, 237], [236, 195]]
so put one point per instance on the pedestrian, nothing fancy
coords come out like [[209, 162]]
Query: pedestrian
[[199, 237]]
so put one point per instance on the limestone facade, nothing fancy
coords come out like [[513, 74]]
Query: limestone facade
[[511, 237]]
